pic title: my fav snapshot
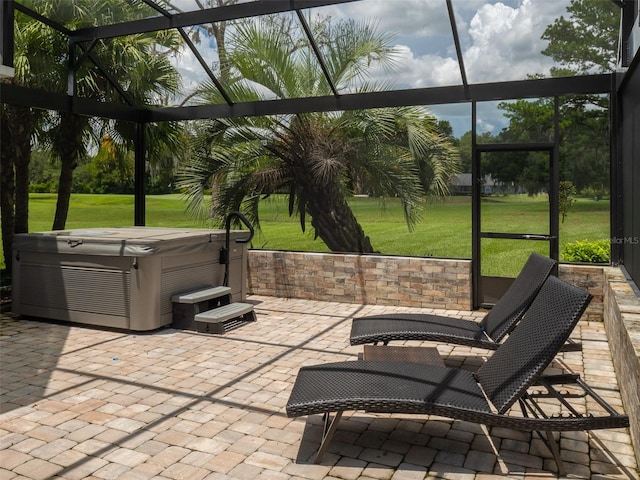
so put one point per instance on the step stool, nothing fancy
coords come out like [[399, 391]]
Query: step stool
[[225, 318], [188, 304]]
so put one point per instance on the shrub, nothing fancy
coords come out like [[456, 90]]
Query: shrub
[[585, 251], [49, 187], [565, 195]]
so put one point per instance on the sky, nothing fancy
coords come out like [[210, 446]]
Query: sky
[[500, 41]]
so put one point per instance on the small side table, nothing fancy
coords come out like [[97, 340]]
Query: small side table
[[426, 355]]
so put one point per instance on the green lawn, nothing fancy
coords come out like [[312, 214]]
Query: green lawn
[[443, 231]]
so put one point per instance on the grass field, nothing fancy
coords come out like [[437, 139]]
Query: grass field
[[443, 231]]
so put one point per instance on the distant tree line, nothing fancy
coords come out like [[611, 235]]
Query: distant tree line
[[97, 174], [584, 145]]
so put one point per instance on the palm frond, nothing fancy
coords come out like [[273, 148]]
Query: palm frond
[[355, 46]]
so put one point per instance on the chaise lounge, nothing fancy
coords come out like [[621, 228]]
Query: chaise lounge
[[488, 333], [484, 397]]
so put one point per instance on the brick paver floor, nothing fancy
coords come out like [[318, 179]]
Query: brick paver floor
[[88, 403]]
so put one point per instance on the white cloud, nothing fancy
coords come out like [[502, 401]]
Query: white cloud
[[491, 21], [500, 40], [506, 42], [417, 17], [416, 71], [427, 70], [189, 67], [484, 126]]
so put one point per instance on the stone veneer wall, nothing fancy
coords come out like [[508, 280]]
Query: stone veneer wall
[[386, 280], [622, 324], [591, 279], [367, 279]]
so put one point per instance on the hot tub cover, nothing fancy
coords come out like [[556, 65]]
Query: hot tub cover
[[123, 241]]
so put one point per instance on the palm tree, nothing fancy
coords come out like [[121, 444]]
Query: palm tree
[[21, 125], [317, 159], [136, 64]]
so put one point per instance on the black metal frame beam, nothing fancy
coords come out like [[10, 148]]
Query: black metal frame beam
[[140, 167], [318, 53], [42, 19], [6, 34], [125, 95], [626, 26], [205, 67], [590, 84], [456, 41], [31, 97], [195, 51], [476, 191], [616, 180], [554, 187], [209, 15]]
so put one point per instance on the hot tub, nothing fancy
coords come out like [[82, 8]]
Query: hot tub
[[120, 277]]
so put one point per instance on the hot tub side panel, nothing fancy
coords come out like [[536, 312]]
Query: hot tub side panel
[[94, 290]]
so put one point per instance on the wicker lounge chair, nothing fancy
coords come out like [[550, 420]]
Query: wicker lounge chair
[[483, 397], [488, 333]]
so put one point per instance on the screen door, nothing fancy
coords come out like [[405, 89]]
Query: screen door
[[515, 213]]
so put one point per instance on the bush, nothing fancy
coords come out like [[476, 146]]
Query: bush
[[49, 187], [587, 252], [565, 193]]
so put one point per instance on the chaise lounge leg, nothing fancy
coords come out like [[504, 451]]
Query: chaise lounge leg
[[547, 435], [327, 433], [551, 443]]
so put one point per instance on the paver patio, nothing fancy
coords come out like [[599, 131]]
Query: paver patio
[[84, 403]]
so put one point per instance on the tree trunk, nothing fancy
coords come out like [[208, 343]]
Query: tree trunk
[[218, 30], [7, 189], [223, 57], [17, 129], [335, 223], [21, 127], [69, 147], [311, 153]]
